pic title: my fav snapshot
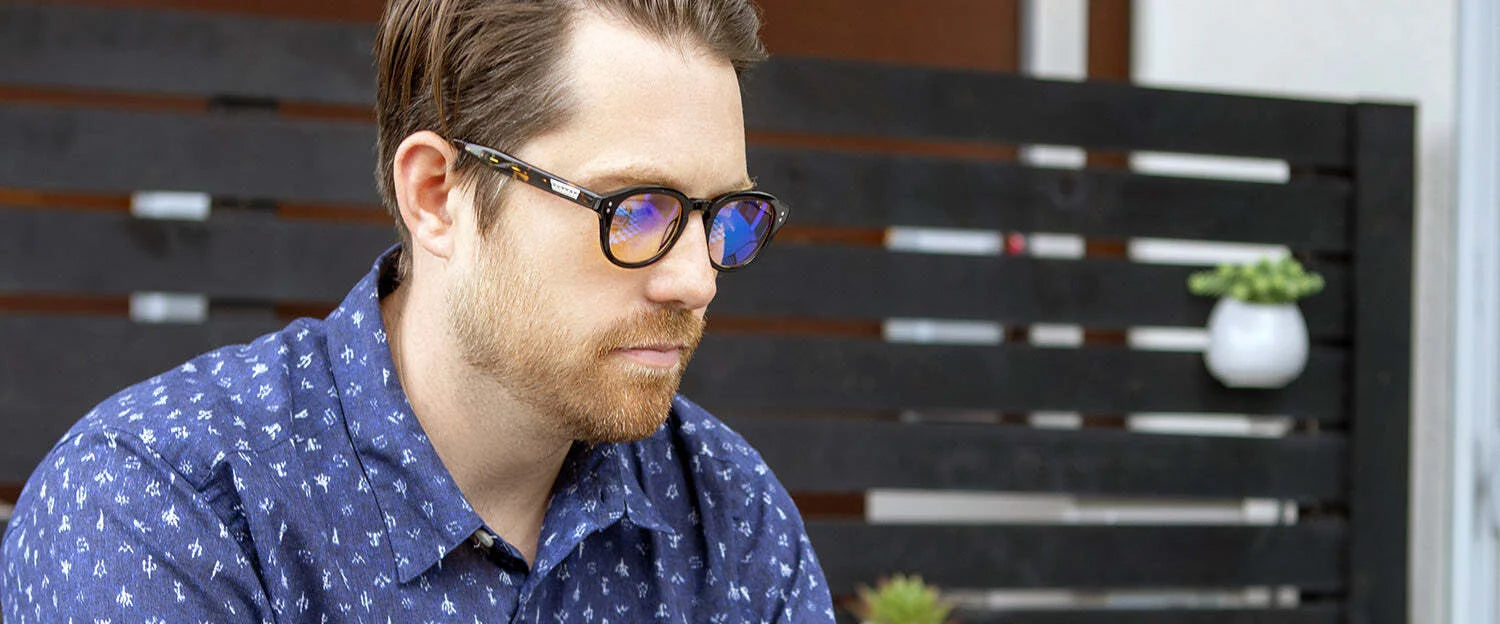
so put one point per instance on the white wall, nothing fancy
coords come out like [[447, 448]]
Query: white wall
[[1389, 50]]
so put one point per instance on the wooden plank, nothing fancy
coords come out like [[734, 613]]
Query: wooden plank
[[853, 455], [824, 282], [186, 53], [69, 364], [1384, 153], [808, 373], [254, 257], [240, 257], [1309, 555], [230, 155], [1318, 614], [873, 190], [850, 98]]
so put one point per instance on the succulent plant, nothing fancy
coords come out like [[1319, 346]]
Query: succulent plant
[[1265, 281], [902, 600]]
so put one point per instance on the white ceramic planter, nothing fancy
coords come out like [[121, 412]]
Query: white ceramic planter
[[1256, 345]]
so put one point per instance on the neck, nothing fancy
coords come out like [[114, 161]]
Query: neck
[[503, 455]]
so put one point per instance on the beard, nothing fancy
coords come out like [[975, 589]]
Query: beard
[[506, 329]]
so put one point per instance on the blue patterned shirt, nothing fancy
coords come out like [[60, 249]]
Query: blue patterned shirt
[[287, 480]]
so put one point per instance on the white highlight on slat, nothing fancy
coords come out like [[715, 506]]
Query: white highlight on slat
[[1055, 420], [159, 307], [1189, 339], [899, 506], [1226, 425], [934, 331], [1057, 246], [170, 205], [1261, 597], [944, 241], [1216, 167], [1054, 156], [1055, 335], [1200, 253]]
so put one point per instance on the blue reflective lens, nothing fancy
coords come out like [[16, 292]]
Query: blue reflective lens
[[739, 228]]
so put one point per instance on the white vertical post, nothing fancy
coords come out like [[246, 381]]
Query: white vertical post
[[1475, 470]]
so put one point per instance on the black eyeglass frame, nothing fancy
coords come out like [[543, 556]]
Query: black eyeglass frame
[[605, 205]]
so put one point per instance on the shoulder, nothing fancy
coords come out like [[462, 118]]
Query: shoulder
[[722, 464], [236, 399], [714, 446]]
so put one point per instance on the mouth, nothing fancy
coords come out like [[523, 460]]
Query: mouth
[[660, 356]]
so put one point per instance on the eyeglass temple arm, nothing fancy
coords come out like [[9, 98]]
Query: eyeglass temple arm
[[528, 174]]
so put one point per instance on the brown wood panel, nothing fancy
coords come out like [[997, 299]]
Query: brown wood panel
[[1109, 44], [1109, 53], [970, 34]]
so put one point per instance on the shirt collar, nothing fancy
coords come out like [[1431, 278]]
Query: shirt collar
[[425, 514]]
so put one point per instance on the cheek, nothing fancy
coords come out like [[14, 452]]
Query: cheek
[[575, 290]]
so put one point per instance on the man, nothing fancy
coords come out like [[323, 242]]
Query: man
[[486, 429]]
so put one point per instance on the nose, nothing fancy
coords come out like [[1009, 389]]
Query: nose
[[684, 278]]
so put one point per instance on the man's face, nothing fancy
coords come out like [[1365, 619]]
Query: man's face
[[537, 306]]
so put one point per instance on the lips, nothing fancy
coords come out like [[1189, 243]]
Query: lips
[[653, 355]]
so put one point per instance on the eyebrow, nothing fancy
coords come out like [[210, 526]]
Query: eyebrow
[[611, 181]]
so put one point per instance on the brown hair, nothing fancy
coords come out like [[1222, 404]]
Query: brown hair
[[483, 70]]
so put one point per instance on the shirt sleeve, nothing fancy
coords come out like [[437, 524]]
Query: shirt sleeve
[[106, 530], [781, 571]]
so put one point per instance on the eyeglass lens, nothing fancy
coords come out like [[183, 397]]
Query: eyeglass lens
[[739, 228], [642, 225]]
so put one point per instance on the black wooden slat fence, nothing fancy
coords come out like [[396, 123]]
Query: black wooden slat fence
[[186, 53], [878, 190], [250, 155], [851, 456], [1308, 555]]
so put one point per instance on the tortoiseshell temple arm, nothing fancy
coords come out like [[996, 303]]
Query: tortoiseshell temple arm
[[531, 175]]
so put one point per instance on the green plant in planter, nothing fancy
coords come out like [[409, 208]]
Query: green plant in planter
[[1281, 281], [902, 600]]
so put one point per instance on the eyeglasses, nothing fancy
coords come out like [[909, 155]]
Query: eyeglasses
[[639, 225]]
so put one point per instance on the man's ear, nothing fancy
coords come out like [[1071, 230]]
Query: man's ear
[[426, 187]]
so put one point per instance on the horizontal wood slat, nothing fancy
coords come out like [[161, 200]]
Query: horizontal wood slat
[[186, 53], [825, 282], [253, 257], [852, 98], [809, 373], [239, 257], [851, 455], [209, 55], [243, 155], [1321, 614], [873, 190], [1308, 555]]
